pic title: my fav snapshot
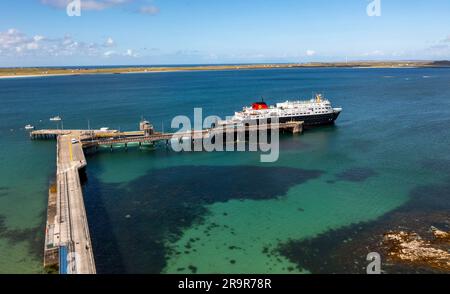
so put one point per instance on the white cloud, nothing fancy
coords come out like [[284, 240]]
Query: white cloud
[[86, 4], [373, 53], [109, 53], [56, 3], [109, 42], [38, 38], [310, 52], [32, 46], [14, 43], [439, 51], [130, 53], [113, 53], [150, 10]]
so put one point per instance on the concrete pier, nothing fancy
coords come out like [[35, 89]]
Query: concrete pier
[[294, 127], [79, 134], [68, 247], [67, 229]]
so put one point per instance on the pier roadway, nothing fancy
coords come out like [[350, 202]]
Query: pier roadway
[[71, 227]]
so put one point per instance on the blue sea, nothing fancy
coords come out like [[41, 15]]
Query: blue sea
[[158, 211]]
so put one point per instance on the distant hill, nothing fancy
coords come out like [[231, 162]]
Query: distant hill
[[441, 63]]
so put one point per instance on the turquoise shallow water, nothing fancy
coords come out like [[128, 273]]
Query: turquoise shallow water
[[160, 211]]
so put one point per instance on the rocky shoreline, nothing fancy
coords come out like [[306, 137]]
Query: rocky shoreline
[[410, 248], [413, 239]]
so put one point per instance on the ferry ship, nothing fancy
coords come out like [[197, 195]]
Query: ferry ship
[[314, 112]]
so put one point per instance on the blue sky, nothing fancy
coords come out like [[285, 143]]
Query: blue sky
[[116, 32]]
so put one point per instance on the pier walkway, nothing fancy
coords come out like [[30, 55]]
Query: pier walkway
[[68, 230], [122, 138], [78, 134]]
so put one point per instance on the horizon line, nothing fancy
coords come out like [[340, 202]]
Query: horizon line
[[232, 64]]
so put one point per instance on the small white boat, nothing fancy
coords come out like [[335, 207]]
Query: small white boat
[[29, 127], [56, 118]]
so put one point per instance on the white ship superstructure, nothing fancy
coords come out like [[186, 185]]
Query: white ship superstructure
[[317, 111]]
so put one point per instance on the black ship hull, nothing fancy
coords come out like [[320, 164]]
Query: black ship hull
[[309, 120]]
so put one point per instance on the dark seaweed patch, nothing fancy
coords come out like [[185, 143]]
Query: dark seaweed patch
[[362, 145], [193, 269], [429, 198], [356, 174], [344, 250], [33, 236], [318, 255], [165, 202], [4, 191], [441, 166]]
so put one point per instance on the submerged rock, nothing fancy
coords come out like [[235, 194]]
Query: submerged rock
[[440, 235], [410, 248]]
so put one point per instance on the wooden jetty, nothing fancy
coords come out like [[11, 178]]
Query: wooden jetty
[[68, 247]]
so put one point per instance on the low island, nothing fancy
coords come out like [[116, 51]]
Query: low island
[[53, 71]]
